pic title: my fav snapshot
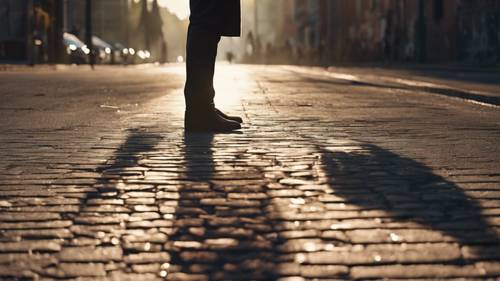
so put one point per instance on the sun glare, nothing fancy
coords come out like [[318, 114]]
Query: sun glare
[[178, 7]]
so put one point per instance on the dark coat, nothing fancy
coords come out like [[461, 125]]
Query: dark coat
[[220, 16]]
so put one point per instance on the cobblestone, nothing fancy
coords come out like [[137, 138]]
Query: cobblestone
[[88, 254], [327, 180]]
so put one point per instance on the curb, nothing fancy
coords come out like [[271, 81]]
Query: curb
[[477, 97]]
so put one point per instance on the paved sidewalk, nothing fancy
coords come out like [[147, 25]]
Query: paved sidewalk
[[328, 180], [473, 85]]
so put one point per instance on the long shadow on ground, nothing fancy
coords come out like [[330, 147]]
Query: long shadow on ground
[[375, 178], [209, 220], [169, 211], [115, 213], [218, 236]]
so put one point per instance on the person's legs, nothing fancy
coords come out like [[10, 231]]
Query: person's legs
[[200, 67], [201, 113]]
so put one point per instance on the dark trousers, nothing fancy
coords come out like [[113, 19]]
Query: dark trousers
[[200, 67]]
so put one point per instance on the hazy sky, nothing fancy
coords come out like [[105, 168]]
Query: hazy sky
[[178, 7]]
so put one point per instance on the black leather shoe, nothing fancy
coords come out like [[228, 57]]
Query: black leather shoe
[[208, 121], [228, 117]]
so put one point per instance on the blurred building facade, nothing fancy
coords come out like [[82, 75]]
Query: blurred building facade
[[156, 29], [109, 19], [319, 32], [338, 31], [31, 31], [419, 31], [13, 32]]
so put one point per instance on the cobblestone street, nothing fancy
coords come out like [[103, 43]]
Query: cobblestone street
[[331, 178]]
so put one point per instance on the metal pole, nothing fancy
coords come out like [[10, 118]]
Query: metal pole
[[421, 32], [58, 31], [329, 27], [88, 33], [30, 46]]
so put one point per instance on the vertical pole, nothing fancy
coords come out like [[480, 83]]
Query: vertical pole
[[30, 46], [421, 32], [329, 26], [51, 31], [58, 31], [88, 33], [126, 22]]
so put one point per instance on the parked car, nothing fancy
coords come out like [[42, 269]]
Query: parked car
[[76, 51], [102, 50], [121, 54], [143, 56]]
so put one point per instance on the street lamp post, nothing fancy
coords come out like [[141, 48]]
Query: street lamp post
[[59, 30], [88, 33], [329, 26], [30, 46], [421, 32]]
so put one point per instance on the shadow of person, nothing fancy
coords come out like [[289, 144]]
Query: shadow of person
[[124, 163], [375, 178], [105, 212], [198, 156], [216, 232]]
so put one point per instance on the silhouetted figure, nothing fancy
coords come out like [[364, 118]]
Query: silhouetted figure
[[250, 46], [209, 20], [164, 52], [230, 57]]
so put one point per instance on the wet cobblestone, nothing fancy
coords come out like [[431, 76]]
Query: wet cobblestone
[[351, 186]]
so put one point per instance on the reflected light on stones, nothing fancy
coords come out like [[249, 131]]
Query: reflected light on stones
[[168, 216], [298, 201], [309, 193], [147, 246], [5, 204], [164, 268], [120, 184], [329, 247], [394, 237], [300, 258], [377, 258], [188, 244], [336, 226], [311, 209], [358, 248], [115, 241], [310, 246]]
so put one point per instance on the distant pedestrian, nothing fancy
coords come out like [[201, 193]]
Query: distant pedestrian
[[230, 57], [209, 20], [164, 52]]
